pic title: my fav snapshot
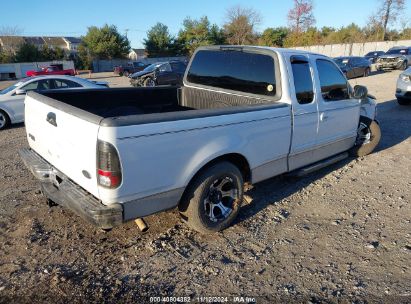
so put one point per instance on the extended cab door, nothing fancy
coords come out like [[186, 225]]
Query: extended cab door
[[338, 113], [305, 112]]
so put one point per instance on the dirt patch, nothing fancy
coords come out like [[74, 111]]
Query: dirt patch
[[338, 235]]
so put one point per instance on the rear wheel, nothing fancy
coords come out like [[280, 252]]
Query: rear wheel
[[213, 199], [4, 120], [368, 137], [149, 82]]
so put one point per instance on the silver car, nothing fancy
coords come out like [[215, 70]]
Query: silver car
[[403, 92], [12, 98], [396, 58]]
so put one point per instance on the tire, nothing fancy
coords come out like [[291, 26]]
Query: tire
[[4, 120], [403, 101], [366, 73], [126, 73], [204, 206], [149, 82], [404, 66], [368, 137]]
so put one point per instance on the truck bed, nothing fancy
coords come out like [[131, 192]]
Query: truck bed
[[128, 106]]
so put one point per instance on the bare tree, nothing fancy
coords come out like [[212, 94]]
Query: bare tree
[[10, 31], [388, 13], [241, 25], [301, 16]]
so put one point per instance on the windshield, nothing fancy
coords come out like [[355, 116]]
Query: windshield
[[152, 67], [341, 61], [13, 86], [397, 51]]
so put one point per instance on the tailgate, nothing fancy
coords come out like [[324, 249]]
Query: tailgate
[[67, 141]]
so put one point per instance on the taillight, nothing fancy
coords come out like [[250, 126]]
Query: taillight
[[108, 165]]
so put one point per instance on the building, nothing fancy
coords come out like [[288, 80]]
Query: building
[[137, 54], [55, 42], [10, 44], [72, 43], [38, 42]]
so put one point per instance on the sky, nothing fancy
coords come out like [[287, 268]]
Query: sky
[[72, 17]]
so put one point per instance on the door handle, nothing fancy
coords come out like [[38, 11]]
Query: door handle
[[51, 119], [323, 116]]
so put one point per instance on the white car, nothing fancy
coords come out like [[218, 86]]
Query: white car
[[403, 92], [12, 98]]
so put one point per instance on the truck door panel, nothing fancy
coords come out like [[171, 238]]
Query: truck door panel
[[305, 113], [338, 113]]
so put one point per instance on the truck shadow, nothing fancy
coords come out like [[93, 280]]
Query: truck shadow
[[395, 123], [274, 190]]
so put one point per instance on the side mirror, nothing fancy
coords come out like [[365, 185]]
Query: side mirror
[[20, 92], [360, 92]]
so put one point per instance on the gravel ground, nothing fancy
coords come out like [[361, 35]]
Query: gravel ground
[[342, 234]]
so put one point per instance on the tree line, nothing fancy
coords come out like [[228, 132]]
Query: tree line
[[240, 28]]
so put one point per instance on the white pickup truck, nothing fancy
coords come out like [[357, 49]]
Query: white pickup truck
[[243, 115]]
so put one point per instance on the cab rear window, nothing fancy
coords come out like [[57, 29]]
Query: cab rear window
[[235, 70]]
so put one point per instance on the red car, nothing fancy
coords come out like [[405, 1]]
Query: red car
[[55, 69]]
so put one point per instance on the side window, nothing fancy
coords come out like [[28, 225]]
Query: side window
[[165, 68], [31, 86], [40, 85], [303, 82], [65, 84], [333, 84], [177, 67], [234, 70]]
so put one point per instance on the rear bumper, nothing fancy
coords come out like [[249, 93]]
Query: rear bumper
[[61, 190]]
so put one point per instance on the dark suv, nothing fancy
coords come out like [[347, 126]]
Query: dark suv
[[353, 66], [130, 68], [160, 73]]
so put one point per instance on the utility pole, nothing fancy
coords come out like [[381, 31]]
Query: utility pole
[[126, 30]]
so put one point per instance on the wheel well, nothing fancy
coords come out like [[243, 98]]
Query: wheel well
[[236, 159], [5, 112]]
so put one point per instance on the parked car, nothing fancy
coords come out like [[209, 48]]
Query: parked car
[[244, 114], [395, 58], [403, 92], [12, 98], [54, 69], [373, 56], [160, 73], [353, 66], [130, 68]]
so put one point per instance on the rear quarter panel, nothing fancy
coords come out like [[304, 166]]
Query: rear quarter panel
[[164, 156]]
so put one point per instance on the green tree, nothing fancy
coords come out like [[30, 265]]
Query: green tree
[[28, 53], [159, 42], [105, 43], [6, 57], [273, 36], [83, 60], [197, 33]]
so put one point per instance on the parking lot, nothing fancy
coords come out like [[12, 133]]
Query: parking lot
[[342, 233]]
